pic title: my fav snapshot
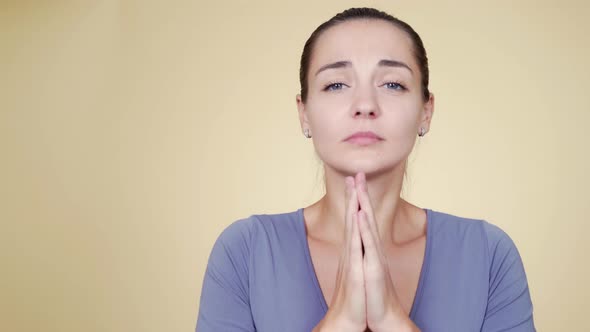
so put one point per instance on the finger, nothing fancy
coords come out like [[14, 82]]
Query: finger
[[365, 202], [351, 207], [350, 214], [352, 202], [355, 268], [344, 254], [369, 242], [363, 194], [356, 254]]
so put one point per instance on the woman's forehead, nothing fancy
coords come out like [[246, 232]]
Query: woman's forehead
[[362, 40]]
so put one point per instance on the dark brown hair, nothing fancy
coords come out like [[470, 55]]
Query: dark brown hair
[[364, 13]]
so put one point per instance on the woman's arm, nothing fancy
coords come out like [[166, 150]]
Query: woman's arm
[[224, 303], [509, 302]]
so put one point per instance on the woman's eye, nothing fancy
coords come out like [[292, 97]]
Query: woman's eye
[[394, 86], [334, 86]]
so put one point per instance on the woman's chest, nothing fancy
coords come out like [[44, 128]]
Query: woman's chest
[[405, 265]]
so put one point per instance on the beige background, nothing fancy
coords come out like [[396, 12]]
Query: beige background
[[132, 133]]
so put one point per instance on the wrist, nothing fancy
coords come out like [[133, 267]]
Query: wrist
[[335, 325], [398, 324]]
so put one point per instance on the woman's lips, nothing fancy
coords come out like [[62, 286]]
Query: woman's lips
[[363, 138]]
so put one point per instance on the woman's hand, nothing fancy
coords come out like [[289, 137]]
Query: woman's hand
[[384, 311], [364, 297], [348, 305]]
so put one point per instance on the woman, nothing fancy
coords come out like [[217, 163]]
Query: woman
[[381, 263]]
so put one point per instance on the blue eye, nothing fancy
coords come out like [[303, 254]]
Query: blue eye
[[394, 86], [334, 86]]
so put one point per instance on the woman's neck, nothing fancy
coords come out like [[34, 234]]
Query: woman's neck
[[394, 216]]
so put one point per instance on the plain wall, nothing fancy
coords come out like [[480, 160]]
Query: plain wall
[[133, 132]]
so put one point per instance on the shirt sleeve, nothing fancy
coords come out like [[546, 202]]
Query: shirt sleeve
[[509, 302], [224, 303]]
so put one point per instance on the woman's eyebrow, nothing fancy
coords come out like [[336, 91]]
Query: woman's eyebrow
[[382, 63], [338, 64], [395, 63]]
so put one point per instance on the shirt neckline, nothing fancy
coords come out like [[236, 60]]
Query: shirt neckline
[[421, 278]]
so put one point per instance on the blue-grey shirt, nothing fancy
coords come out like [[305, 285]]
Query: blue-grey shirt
[[260, 277]]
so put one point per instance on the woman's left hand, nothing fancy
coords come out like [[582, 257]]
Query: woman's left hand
[[384, 311]]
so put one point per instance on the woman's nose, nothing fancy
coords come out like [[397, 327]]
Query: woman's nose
[[365, 113], [365, 104]]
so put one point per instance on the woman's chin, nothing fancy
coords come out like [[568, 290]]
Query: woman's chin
[[369, 167]]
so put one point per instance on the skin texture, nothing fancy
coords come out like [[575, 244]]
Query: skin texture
[[374, 291]]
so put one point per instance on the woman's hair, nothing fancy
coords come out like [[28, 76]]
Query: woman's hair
[[364, 13]]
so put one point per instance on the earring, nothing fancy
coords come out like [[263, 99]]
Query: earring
[[422, 132], [306, 133]]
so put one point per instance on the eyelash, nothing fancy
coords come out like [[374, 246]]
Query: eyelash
[[329, 86], [401, 87]]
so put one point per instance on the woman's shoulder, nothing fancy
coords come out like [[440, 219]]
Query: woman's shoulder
[[242, 230], [460, 229]]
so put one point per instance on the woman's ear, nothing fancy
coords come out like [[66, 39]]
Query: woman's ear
[[303, 120], [427, 112]]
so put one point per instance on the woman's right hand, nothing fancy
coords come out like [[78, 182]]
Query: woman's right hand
[[347, 311]]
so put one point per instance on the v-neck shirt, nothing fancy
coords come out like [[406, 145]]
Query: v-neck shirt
[[315, 280], [260, 277]]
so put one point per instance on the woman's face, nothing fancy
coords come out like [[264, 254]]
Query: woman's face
[[363, 77]]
